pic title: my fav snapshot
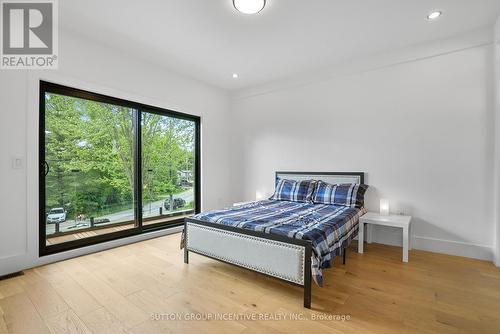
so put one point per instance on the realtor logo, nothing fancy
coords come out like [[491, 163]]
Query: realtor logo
[[29, 34]]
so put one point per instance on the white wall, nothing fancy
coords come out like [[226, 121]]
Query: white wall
[[418, 121], [497, 137], [94, 67]]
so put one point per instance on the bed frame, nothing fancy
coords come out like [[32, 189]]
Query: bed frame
[[285, 258]]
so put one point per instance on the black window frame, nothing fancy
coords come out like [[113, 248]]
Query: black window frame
[[49, 87]]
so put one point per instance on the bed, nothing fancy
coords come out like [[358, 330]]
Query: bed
[[292, 241]]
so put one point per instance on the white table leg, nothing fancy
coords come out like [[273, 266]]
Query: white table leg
[[410, 239], [361, 237], [405, 243], [369, 233]]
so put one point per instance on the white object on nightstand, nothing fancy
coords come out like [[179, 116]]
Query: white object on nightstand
[[372, 218], [242, 203]]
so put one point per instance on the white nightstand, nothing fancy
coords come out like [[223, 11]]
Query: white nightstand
[[372, 218]]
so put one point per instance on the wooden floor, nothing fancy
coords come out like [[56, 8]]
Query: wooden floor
[[91, 232], [123, 289]]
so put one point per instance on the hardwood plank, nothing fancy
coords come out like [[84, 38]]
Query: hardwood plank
[[79, 300], [3, 325], [103, 322], [150, 302], [151, 327], [20, 315], [458, 323], [116, 304], [10, 286], [122, 282], [30, 276], [46, 300], [67, 323]]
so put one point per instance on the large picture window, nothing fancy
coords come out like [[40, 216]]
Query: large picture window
[[112, 168]]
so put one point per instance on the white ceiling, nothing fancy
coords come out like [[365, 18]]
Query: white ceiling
[[209, 40]]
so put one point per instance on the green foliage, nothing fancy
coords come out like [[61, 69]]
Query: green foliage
[[90, 150]]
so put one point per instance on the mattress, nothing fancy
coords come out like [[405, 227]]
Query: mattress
[[330, 228]]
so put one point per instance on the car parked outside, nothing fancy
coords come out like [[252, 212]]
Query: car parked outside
[[178, 203], [56, 215]]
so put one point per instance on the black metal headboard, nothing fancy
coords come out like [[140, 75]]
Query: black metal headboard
[[329, 177]]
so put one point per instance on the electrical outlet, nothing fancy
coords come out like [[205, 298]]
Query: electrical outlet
[[17, 162]]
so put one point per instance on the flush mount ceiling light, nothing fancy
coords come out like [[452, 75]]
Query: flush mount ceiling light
[[249, 6], [434, 15], [235, 75]]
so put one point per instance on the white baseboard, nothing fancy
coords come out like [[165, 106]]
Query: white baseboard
[[25, 261], [451, 247], [393, 237]]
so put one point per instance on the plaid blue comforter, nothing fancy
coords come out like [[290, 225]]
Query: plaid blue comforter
[[330, 228]]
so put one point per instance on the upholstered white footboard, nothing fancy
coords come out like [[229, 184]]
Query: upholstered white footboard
[[275, 258]]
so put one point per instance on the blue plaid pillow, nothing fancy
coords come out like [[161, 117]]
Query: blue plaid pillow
[[296, 191], [352, 195]]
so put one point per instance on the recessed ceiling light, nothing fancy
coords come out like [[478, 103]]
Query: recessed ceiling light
[[249, 6], [434, 15], [235, 75]]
